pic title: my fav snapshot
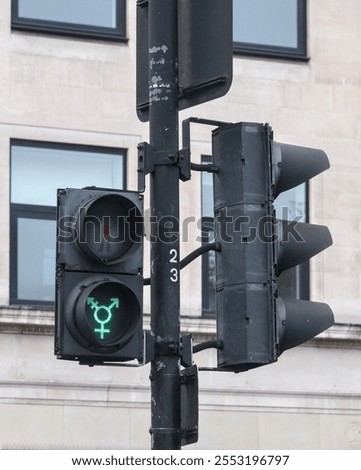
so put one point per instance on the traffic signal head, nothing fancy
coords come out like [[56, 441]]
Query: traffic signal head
[[100, 230], [99, 276], [293, 165], [254, 324], [107, 228]]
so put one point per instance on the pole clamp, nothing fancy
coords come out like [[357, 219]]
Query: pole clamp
[[148, 159], [184, 349], [167, 348]]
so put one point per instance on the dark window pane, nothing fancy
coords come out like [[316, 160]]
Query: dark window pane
[[207, 194], [271, 28], [208, 259], [36, 259], [86, 12], [59, 166], [267, 22], [291, 205], [104, 19], [208, 269]]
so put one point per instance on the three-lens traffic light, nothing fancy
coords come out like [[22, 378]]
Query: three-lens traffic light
[[99, 284], [255, 325]]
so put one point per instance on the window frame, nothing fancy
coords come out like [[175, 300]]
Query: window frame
[[42, 212], [72, 29], [282, 52]]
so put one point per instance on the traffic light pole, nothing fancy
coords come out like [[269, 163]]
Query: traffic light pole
[[164, 200]]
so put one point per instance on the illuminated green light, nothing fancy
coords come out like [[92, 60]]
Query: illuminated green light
[[106, 314], [102, 314]]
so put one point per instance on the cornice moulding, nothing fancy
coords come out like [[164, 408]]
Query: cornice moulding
[[25, 320]]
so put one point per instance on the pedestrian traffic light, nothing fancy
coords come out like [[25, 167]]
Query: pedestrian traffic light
[[99, 281], [254, 324]]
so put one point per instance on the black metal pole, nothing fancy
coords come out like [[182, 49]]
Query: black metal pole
[[164, 200]]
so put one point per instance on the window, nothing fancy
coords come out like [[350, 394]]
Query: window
[[293, 205], [103, 19], [37, 170], [290, 205], [208, 259], [274, 28]]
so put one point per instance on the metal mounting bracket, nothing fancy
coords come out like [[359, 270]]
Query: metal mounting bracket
[[148, 159]]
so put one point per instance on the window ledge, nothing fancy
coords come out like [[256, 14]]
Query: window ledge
[[32, 320], [29, 320]]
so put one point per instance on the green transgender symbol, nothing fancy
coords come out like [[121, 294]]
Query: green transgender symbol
[[94, 305]]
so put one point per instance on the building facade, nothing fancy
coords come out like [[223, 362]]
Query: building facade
[[67, 94]]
